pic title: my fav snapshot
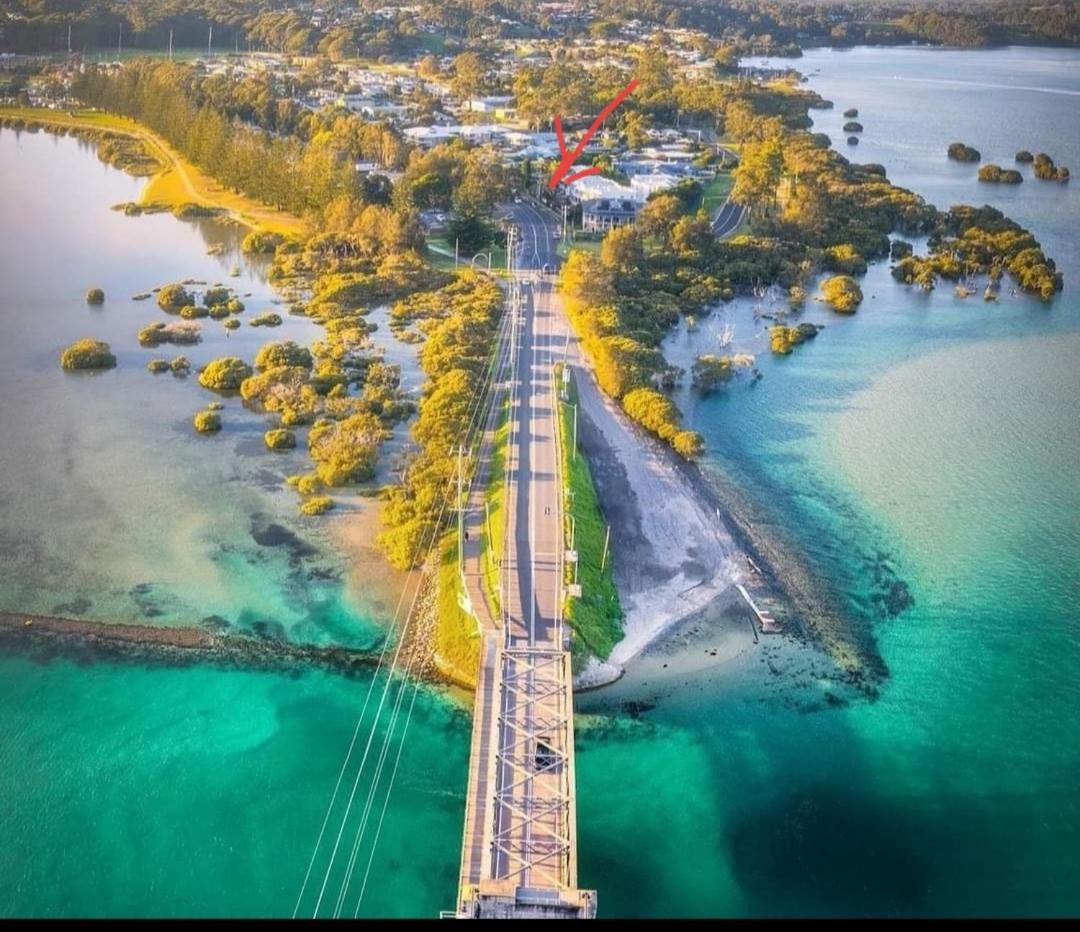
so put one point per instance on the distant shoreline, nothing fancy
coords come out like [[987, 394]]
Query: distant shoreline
[[177, 183]]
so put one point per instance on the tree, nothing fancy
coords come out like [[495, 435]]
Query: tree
[[659, 215], [688, 444], [636, 125], [346, 451], [758, 173], [470, 76], [692, 236], [653, 411], [428, 67], [471, 233], [622, 251]]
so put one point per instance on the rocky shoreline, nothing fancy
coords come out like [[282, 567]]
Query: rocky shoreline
[[771, 569], [46, 637]]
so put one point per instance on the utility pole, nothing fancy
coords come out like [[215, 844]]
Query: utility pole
[[573, 545], [120, 42], [456, 242], [170, 44], [461, 511], [607, 540], [69, 38], [490, 539]]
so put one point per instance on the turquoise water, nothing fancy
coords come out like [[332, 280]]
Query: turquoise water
[[926, 437], [936, 439]]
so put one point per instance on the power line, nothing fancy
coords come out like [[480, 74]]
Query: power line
[[475, 408]]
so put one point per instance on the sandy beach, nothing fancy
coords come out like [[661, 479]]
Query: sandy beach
[[672, 553], [682, 540]]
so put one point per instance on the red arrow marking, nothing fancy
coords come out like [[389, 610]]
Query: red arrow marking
[[568, 158]]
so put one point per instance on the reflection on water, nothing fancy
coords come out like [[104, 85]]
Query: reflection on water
[[111, 506], [199, 792]]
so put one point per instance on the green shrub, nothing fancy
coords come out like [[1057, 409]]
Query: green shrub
[[851, 113], [900, 249], [995, 174], [852, 126], [95, 296], [158, 332], [280, 389], [960, 152], [215, 406], [218, 311], [1048, 171], [194, 311], [283, 353], [261, 242], [280, 439], [1024, 156], [158, 365], [207, 422], [655, 412], [231, 324], [174, 297], [689, 444], [225, 374], [318, 505], [218, 295], [783, 340], [346, 451], [844, 258], [190, 211], [180, 364], [267, 319], [710, 370], [842, 293], [309, 484], [234, 306], [87, 354]]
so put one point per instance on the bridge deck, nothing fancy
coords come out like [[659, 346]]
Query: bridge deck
[[519, 857]]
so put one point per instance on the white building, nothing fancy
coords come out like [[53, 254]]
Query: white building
[[598, 188], [498, 108]]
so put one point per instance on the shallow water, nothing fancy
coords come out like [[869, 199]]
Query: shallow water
[[927, 436], [933, 441]]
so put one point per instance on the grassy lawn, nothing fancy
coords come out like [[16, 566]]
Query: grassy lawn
[[596, 618], [441, 255], [433, 42], [494, 537], [179, 182], [457, 637], [587, 245], [716, 191]]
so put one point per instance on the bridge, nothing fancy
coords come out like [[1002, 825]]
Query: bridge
[[519, 854]]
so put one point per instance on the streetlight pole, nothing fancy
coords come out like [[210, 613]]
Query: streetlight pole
[[574, 446]]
